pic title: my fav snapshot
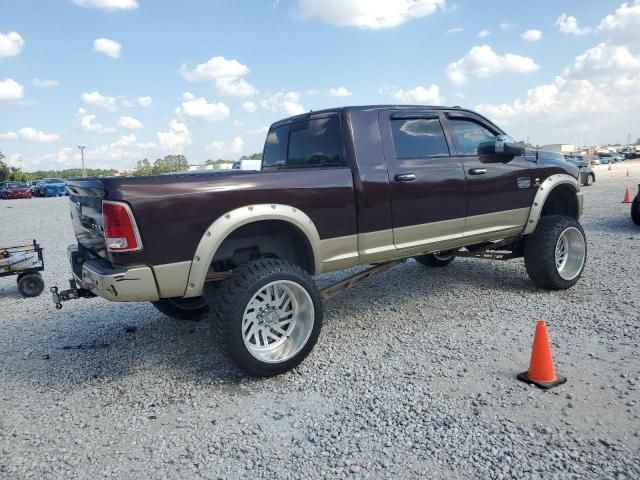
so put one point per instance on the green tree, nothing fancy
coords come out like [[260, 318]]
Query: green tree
[[143, 167], [253, 156], [170, 163], [4, 169]]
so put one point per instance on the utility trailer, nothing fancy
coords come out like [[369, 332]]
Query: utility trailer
[[26, 262]]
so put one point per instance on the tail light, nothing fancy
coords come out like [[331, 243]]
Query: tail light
[[120, 229]]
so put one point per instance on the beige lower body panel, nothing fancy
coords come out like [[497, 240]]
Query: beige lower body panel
[[172, 278], [379, 246]]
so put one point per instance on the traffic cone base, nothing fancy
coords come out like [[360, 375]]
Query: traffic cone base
[[627, 196], [524, 376]]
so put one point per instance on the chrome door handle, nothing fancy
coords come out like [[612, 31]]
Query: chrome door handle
[[405, 177], [477, 171]]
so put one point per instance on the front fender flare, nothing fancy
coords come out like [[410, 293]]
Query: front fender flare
[[544, 190]]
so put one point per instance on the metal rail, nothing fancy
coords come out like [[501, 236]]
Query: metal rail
[[338, 287]]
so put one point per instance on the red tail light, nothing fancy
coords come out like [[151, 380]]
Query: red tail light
[[120, 229]]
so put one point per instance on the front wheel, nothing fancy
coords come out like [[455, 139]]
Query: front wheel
[[438, 259], [268, 316], [556, 252], [589, 180], [183, 308], [635, 210]]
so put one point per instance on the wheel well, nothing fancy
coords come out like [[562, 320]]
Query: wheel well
[[562, 201], [265, 239]]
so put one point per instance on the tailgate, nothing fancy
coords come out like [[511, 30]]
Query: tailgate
[[85, 202]]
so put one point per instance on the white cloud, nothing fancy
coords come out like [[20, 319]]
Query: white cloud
[[507, 25], [129, 122], [39, 82], [373, 14], [624, 24], [455, 30], [200, 108], [144, 101], [87, 122], [484, 33], [419, 95], [109, 47], [532, 35], [596, 97], [108, 4], [214, 68], [287, 102], [220, 148], [569, 24], [176, 138], [339, 92], [250, 107], [10, 44], [121, 153], [262, 130], [483, 62], [29, 134], [96, 99], [10, 90], [235, 87]]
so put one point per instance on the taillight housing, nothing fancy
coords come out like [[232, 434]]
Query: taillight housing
[[120, 229]]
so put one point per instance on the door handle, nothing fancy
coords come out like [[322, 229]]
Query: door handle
[[477, 171], [405, 177]]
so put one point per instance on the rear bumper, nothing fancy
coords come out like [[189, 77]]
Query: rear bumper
[[116, 284]]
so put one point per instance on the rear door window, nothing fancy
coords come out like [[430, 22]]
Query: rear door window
[[419, 138]]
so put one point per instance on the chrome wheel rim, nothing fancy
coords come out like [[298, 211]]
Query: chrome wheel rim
[[442, 256], [278, 321], [570, 253]]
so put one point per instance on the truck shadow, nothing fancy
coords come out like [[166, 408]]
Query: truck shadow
[[90, 342]]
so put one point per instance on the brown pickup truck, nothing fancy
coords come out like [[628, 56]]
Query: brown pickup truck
[[338, 188]]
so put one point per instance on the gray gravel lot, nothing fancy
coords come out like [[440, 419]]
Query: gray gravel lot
[[413, 375]]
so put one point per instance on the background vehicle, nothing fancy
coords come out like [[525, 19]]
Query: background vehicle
[[247, 165], [605, 158], [338, 188], [9, 190], [25, 261], [635, 208], [587, 175], [52, 187]]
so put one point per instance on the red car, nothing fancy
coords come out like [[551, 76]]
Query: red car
[[14, 190]]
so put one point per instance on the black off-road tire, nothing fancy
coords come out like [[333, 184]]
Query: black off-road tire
[[635, 210], [540, 251], [30, 285], [192, 309], [440, 259], [230, 300]]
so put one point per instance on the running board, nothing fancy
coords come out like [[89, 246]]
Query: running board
[[339, 287]]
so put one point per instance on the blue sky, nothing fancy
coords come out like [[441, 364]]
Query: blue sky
[[141, 78]]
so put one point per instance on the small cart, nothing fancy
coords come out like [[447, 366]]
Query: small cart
[[26, 262]]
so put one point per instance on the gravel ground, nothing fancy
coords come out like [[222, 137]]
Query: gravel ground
[[413, 375]]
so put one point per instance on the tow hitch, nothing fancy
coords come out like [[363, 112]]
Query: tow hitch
[[73, 293]]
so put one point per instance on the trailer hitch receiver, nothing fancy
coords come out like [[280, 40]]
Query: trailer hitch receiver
[[73, 293]]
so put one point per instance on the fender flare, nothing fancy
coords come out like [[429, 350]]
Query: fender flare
[[225, 225], [544, 190]]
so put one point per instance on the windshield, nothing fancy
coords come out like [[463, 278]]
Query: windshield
[[53, 180], [16, 185]]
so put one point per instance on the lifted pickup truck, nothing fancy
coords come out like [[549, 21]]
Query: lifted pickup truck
[[338, 188]]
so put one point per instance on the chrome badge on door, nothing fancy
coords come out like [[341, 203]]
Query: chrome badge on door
[[524, 182]]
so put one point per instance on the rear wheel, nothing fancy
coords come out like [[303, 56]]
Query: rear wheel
[[30, 284], [268, 316], [556, 252], [438, 259], [183, 308], [635, 210]]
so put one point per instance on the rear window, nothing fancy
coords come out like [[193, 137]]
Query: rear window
[[53, 180], [307, 144], [419, 138]]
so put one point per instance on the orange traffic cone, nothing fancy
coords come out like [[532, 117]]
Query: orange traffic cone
[[609, 166], [627, 195], [627, 172], [541, 372]]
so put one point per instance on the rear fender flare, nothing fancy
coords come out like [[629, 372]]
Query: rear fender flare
[[225, 225]]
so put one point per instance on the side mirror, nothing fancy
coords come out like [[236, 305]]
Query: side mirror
[[503, 146]]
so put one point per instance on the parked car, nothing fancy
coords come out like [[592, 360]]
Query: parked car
[[635, 208], [9, 190], [605, 158], [587, 175], [632, 155], [338, 188], [52, 187]]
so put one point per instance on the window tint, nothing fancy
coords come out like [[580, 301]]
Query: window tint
[[419, 138], [313, 143], [470, 134], [275, 148]]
